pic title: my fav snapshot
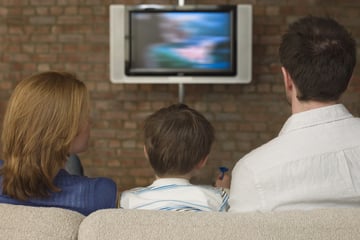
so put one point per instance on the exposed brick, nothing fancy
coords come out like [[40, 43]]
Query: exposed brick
[[42, 2], [72, 10], [42, 20], [70, 20], [71, 38], [272, 11], [3, 11]]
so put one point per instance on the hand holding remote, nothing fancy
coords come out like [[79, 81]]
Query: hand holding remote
[[223, 179]]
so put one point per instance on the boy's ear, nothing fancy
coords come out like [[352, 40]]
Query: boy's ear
[[202, 163]]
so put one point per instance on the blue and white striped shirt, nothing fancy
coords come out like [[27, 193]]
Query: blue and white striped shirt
[[175, 194]]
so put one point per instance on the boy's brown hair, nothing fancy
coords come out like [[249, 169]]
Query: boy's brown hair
[[177, 138]]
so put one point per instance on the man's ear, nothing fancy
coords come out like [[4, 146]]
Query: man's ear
[[202, 163], [290, 88], [287, 80], [145, 153]]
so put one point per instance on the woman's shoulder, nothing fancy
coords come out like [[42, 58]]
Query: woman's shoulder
[[103, 183], [101, 190], [64, 179]]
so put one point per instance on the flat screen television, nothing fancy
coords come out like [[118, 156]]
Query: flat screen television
[[180, 44]]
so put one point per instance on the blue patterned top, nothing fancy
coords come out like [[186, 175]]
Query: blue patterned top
[[82, 194]]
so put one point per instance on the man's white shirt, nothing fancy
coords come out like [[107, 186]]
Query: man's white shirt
[[313, 163]]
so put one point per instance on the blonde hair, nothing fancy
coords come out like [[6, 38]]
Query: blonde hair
[[42, 118]]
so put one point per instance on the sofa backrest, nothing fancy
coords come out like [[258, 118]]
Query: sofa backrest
[[40, 223], [150, 225]]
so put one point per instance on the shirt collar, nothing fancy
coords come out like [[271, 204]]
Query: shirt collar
[[315, 117], [170, 181]]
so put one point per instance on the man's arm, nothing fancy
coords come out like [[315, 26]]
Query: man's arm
[[244, 194]]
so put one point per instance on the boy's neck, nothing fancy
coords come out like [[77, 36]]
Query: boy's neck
[[186, 176]]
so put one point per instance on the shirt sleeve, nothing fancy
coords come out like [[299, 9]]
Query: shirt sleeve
[[224, 207], [105, 191], [244, 194], [124, 200]]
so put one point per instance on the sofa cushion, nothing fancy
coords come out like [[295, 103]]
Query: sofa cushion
[[150, 225], [24, 222]]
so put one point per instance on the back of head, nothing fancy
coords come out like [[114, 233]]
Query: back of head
[[320, 55], [177, 138], [41, 120]]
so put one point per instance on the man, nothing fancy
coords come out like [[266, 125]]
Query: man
[[315, 160]]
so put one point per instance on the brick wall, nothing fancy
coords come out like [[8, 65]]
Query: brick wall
[[73, 35]]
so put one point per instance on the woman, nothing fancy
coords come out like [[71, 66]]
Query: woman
[[46, 120]]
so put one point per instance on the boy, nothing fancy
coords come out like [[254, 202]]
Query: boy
[[178, 140]]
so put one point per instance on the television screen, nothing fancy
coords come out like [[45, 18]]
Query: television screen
[[182, 42], [191, 44]]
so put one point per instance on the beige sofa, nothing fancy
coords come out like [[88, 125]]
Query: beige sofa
[[19, 222]]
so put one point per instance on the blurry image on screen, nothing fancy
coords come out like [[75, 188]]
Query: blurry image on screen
[[194, 41]]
